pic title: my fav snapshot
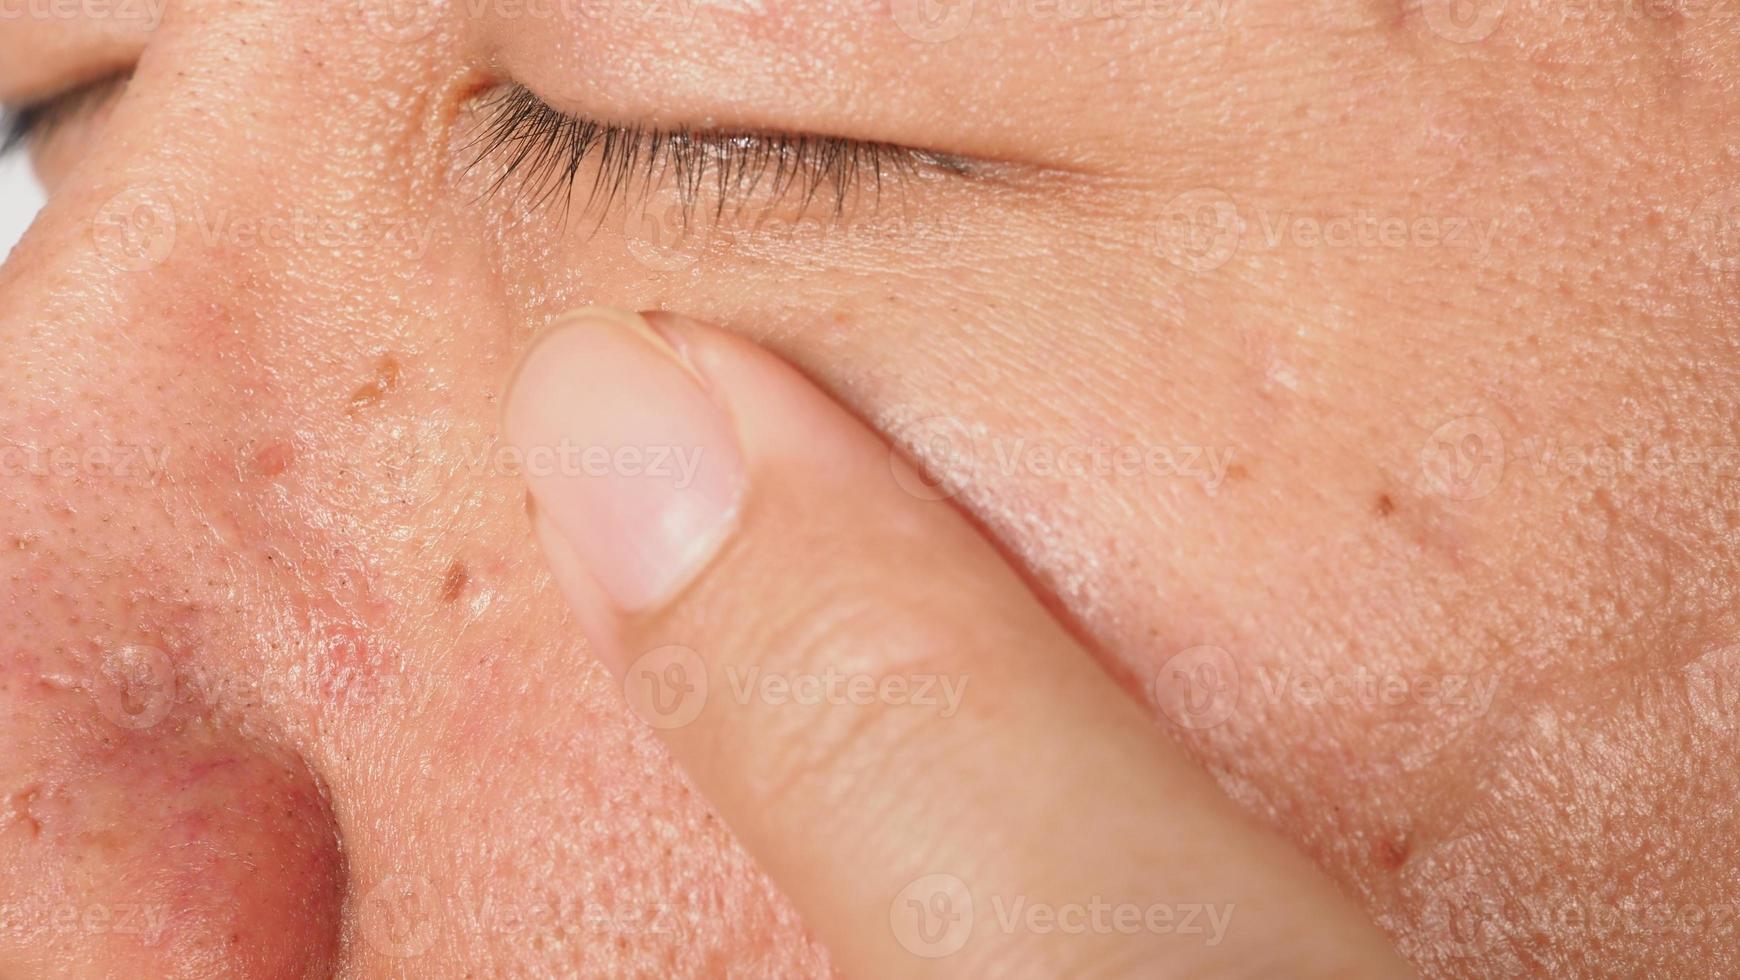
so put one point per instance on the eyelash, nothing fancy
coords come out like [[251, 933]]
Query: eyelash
[[18, 127], [39, 120], [541, 153]]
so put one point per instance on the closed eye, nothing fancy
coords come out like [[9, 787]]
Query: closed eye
[[540, 152], [36, 122]]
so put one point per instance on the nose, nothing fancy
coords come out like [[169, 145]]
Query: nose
[[206, 340]]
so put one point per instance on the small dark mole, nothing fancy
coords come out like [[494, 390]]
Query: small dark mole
[[1385, 506], [385, 382], [531, 505], [453, 583]]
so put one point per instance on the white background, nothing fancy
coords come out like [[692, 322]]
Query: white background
[[19, 199]]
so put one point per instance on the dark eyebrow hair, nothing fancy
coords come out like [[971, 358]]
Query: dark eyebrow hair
[[19, 125]]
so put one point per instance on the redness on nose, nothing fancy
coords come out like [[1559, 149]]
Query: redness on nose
[[162, 850], [385, 381]]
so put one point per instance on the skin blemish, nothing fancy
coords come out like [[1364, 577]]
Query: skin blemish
[[23, 810], [1384, 506], [274, 459], [453, 583], [385, 381], [1392, 852]]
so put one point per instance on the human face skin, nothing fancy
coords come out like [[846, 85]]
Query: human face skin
[[1402, 341]]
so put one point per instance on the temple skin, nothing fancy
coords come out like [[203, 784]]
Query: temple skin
[[1390, 368]]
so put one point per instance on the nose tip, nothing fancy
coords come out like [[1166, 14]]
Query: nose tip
[[154, 843]]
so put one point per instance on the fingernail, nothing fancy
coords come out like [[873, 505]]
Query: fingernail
[[629, 458]]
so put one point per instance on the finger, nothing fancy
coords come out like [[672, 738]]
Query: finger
[[940, 778]]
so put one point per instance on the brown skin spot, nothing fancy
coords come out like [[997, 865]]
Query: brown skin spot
[[1237, 472], [385, 382], [453, 583], [1384, 506]]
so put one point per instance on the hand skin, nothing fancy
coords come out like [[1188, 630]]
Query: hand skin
[[1485, 459]]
